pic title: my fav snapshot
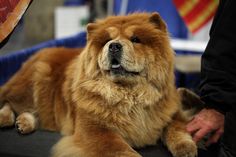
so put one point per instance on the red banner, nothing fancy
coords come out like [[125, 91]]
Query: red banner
[[196, 13]]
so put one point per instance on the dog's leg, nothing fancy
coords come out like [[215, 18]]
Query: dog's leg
[[7, 116], [178, 141], [26, 123], [93, 143]]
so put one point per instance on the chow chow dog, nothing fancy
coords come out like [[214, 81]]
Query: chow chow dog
[[115, 94]]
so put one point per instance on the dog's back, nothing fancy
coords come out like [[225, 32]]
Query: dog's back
[[38, 84]]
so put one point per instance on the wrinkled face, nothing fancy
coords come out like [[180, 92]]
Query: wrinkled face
[[120, 57], [130, 48]]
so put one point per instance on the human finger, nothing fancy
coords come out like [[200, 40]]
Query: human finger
[[215, 137], [200, 134], [193, 126]]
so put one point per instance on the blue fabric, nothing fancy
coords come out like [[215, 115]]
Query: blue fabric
[[74, 2], [9, 64], [166, 9]]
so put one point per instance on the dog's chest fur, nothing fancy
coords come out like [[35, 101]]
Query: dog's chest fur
[[136, 114], [140, 126]]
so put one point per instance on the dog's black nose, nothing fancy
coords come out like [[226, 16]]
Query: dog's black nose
[[115, 47], [115, 52]]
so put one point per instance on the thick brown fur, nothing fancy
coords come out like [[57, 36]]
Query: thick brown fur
[[103, 114]]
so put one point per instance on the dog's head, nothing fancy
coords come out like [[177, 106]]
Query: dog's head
[[129, 49]]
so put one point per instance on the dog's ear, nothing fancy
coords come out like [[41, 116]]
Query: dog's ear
[[156, 19], [90, 29]]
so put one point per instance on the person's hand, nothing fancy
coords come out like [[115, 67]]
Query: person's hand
[[207, 121]]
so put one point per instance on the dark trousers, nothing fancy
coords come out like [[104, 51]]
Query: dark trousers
[[228, 143]]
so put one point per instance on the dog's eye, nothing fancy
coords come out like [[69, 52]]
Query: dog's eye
[[135, 39]]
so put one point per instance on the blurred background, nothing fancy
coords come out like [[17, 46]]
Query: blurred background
[[46, 20], [188, 22]]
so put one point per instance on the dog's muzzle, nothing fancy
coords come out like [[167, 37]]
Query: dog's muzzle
[[115, 51]]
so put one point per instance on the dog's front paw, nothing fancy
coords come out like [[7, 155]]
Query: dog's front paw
[[26, 123], [185, 149], [7, 117]]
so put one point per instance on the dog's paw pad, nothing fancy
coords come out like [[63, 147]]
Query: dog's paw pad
[[185, 149], [7, 117], [25, 123]]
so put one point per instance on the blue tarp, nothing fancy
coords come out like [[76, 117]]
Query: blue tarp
[[166, 9], [9, 64]]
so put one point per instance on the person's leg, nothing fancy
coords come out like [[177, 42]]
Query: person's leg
[[225, 153], [211, 151], [228, 143]]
